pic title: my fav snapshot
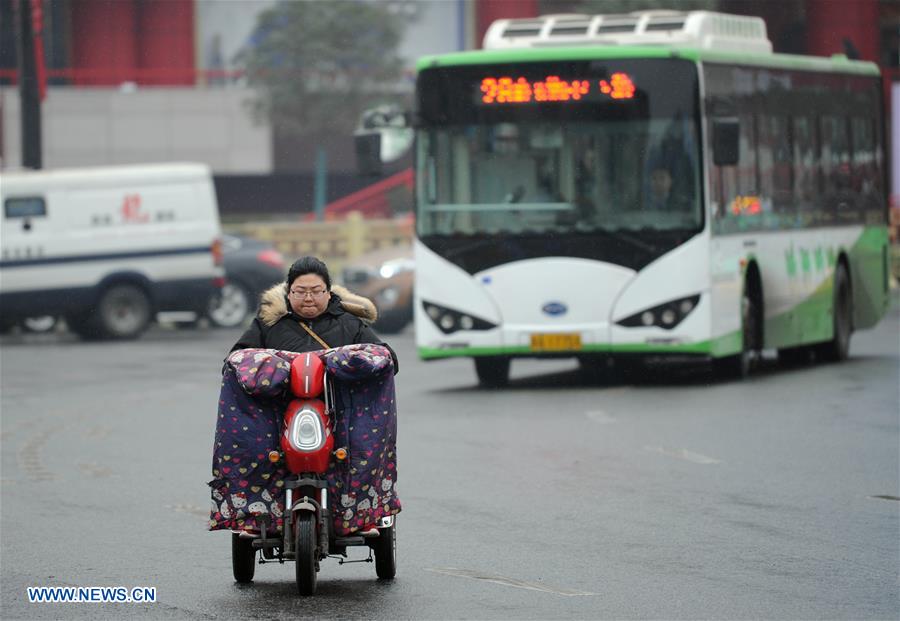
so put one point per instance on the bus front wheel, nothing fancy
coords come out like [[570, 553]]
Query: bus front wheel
[[492, 372], [744, 363]]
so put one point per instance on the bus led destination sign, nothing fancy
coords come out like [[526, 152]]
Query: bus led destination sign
[[509, 90]]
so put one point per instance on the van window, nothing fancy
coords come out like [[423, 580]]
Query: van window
[[26, 207]]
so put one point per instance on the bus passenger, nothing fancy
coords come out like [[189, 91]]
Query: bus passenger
[[670, 181]]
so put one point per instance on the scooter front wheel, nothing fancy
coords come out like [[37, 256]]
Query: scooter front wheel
[[306, 551], [243, 558]]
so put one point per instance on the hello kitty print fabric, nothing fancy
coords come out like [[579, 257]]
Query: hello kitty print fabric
[[255, 392]]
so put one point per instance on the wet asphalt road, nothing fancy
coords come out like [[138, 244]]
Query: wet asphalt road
[[655, 497]]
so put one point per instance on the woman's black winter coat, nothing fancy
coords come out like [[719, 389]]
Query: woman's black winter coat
[[276, 326]]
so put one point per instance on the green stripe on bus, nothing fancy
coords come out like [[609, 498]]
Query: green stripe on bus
[[486, 57], [870, 271], [809, 321], [837, 64], [427, 353], [727, 345]]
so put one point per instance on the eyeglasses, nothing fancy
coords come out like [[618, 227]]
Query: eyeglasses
[[303, 293]]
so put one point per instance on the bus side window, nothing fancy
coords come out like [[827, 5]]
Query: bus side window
[[839, 201], [806, 169], [741, 206], [747, 174], [765, 158], [866, 178], [783, 171]]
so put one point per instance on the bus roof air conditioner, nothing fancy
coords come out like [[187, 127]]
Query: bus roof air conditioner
[[700, 29]]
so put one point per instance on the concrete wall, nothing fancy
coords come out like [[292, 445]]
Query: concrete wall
[[93, 126]]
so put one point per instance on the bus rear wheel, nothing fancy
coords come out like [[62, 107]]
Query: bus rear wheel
[[838, 348]]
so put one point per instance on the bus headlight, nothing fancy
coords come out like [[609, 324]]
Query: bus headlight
[[449, 320], [665, 316]]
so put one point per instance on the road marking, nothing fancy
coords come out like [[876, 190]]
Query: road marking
[[95, 470], [601, 417], [190, 509], [684, 454], [30, 457], [511, 582], [97, 432]]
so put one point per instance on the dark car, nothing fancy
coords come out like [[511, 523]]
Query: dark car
[[385, 276], [251, 267]]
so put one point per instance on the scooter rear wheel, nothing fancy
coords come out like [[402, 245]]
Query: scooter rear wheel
[[243, 559], [306, 551], [385, 549]]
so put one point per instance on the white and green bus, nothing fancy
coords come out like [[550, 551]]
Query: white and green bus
[[654, 185]]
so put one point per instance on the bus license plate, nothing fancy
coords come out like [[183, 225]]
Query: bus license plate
[[555, 342]]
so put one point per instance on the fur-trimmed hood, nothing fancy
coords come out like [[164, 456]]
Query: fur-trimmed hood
[[273, 304]]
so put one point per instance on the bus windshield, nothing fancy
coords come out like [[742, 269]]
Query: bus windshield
[[586, 165]]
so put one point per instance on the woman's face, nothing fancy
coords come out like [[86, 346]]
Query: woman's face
[[308, 296]]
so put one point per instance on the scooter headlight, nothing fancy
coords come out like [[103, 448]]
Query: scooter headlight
[[306, 431]]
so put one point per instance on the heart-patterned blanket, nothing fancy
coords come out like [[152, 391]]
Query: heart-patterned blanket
[[255, 392]]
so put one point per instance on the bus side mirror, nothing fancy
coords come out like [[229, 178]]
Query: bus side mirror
[[726, 139], [368, 153], [384, 134]]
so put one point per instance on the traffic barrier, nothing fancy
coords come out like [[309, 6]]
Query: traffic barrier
[[335, 242]]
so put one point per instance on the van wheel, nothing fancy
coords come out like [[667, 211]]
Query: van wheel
[[123, 312]]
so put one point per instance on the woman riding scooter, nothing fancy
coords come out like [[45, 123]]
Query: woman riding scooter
[[304, 314]]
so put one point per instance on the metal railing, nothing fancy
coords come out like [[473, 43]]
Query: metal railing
[[115, 76]]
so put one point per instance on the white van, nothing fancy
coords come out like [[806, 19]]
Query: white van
[[108, 247]]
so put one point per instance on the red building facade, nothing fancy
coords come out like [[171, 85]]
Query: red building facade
[[107, 42], [115, 41]]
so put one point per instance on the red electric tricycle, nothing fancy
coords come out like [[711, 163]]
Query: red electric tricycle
[[307, 536]]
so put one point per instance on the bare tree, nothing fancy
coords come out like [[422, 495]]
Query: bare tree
[[316, 65]]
